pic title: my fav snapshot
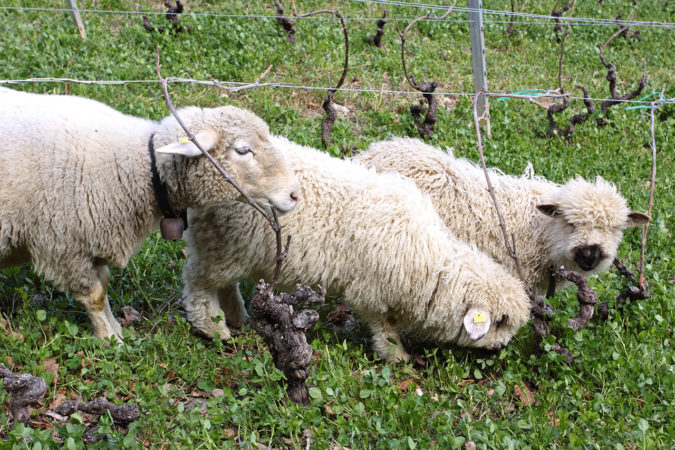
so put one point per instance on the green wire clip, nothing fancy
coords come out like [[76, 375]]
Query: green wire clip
[[644, 98]]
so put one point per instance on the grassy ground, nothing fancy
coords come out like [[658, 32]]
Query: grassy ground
[[618, 392]]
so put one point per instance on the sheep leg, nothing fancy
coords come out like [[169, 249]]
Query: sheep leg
[[201, 307], [232, 304], [387, 341], [104, 276], [95, 301]]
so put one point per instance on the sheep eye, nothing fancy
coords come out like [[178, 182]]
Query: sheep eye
[[244, 149]]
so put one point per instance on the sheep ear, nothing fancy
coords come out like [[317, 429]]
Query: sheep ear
[[637, 218], [207, 139], [549, 210], [476, 323]]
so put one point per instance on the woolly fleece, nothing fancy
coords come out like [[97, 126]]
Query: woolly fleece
[[76, 192], [585, 213], [375, 240]]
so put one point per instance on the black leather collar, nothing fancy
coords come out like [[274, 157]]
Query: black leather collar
[[161, 194]]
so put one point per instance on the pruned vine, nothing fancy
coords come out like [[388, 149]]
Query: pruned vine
[[424, 126]]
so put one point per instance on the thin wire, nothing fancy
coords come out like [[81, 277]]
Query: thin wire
[[519, 14], [224, 84], [578, 21]]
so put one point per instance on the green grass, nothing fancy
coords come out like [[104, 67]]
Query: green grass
[[617, 393]]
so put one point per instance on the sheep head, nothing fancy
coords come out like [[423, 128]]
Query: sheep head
[[491, 325], [240, 142], [587, 223], [479, 304]]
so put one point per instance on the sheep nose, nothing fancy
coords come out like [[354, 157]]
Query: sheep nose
[[588, 257], [295, 195]]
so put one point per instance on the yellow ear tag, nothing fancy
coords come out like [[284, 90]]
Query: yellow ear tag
[[478, 318], [183, 140]]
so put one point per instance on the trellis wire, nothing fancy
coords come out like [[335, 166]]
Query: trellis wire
[[236, 85], [519, 14], [578, 21]]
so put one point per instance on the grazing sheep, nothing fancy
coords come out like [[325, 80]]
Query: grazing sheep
[[580, 228], [76, 188], [376, 240]]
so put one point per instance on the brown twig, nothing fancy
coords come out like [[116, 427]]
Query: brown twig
[[272, 219], [611, 77], [286, 22], [331, 115], [635, 34], [641, 291], [426, 126], [283, 330], [642, 283], [574, 120], [122, 415], [586, 297], [540, 310], [502, 225], [557, 13], [171, 16], [510, 31], [376, 39], [562, 49], [559, 107], [26, 390]]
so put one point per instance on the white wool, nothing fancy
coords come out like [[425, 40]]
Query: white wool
[[587, 213], [373, 239], [76, 190]]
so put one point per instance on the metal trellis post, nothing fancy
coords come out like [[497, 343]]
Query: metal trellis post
[[72, 4], [478, 59]]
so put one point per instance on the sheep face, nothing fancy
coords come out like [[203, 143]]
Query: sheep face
[[240, 142], [587, 223], [492, 327], [481, 306]]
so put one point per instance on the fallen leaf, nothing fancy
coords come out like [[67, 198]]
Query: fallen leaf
[[59, 398], [197, 403], [218, 393], [419, 360], [129, 316], [552, 419], [230, 432], [490, 392], [329, 410], [405, 385], [470, 445], [201, 394], [262, 446], [52, 367], [525, 395], [10, 361], [17, 335]]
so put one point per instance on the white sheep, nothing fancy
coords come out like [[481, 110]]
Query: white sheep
[[580, 228], [375, 240], [76, 190]]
